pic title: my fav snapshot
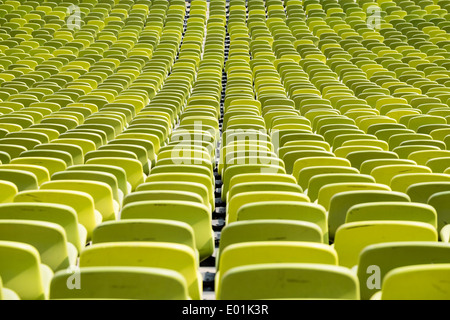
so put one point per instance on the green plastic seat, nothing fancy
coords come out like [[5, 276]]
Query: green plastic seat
[[269, 230], [23, 180], [263, 252], [8, 191], [351, 238], [21, 271], [384, 174], [391, 255], [47, 237], [195, 214], [392, 210], [132, 167], [261, 281], [99, 176], [292, 210], [82, 203], [120, 283], [139, 229], [401, 182], [177, 257], [52, 165], [416, 283], [342, 202], [7, 294], [322, 180], [99, 191], [327, 192]]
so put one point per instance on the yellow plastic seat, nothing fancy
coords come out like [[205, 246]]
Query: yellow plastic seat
[[8, 191], [416, 283], [194, 214], [401, 182], [21, 271], [54, 251], [253, 253], [352, 238], [391, 255], [384, 174], [132, 167], [121, 283], [263, 283], [100, 192], [177, 257]]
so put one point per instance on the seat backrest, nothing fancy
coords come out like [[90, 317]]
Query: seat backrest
[[53, 154], [63, 215], [162, 195], [439, 201], [261, 196], [81, 202], [195, 214], [292, 156], [121, 283], [417, 283], [327, 192], [341, 203], [132, 167], [230, 172], [20, 270], [99, 191], [285, 210], [22, 179], [51, 164], [321, 180], [118, 172], [357, 158], [402, 182], [269, 230], [186, 177], [369, 165], [140, 229], [307, 162], [105, 177], [262, 281], [391, 255], [47, 237], [263, 186], [421, 192], [170, 256], [9, 190], [197, 188], [251, 253]]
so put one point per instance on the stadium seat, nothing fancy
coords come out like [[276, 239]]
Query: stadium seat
[[262, 282], [415, 283], [391, 255], [22, 271], [109, 283], [372, 232]]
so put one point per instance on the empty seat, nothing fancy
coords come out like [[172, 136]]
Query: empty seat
[[416, 283], [391, 255], [312, 281], [194, 214], [171, 256], [351, 238], [22, 272]]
